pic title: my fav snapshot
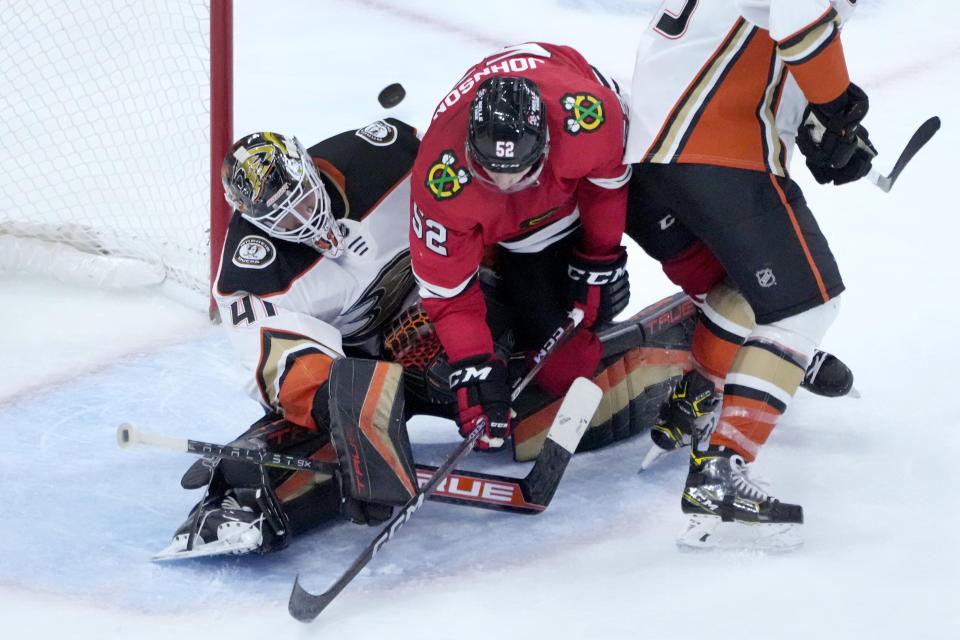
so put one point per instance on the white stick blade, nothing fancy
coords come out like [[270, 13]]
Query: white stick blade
[[575, 413]]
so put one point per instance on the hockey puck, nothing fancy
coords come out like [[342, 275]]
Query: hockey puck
[[391, 95]]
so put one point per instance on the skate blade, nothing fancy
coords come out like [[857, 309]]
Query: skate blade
[[239, 542], [656, 453], [709, 533]]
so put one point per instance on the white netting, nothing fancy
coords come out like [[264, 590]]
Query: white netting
[[106, 129]]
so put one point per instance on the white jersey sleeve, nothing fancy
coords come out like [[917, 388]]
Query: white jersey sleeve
[[711, 79]]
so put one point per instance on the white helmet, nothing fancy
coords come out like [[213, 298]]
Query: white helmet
[[272, 181]]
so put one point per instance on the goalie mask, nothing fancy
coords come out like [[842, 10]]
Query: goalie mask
[[272, 181]]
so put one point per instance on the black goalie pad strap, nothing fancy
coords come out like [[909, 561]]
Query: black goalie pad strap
[[369, 434]]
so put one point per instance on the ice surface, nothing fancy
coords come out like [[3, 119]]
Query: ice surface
[[876, 475]]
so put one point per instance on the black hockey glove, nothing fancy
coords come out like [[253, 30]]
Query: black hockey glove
[[483, 396], [836, 146], [599, 285]]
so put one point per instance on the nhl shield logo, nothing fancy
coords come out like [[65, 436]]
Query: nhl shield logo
[[765, 278]]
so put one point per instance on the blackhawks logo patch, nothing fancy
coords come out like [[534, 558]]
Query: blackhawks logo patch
[[445, 179], [585, 112]]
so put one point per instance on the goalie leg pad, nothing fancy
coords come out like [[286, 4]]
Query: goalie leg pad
[[369, 433], [634, 385]]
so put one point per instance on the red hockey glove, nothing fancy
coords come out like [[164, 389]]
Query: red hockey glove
[[836, 146], [480, 384], [599, 285]]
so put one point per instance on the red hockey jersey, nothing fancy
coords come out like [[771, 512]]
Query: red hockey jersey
[[454, 217]]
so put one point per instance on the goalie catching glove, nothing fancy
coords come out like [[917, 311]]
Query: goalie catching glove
[[837, 147], [483, 398], [599, 285]]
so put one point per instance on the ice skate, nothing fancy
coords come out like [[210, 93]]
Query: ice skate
[[685, 416], [729, 510], [230, 528]]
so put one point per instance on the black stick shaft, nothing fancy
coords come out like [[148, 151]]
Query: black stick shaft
[[130, 436], [305, 606], [266, 458], [559, 336]]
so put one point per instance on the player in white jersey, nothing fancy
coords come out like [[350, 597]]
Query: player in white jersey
[[711, 198], [315, 266]]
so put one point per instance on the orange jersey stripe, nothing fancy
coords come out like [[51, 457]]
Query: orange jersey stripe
[[800, 239], [726, 116]]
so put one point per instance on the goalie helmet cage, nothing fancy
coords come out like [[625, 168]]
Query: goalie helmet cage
[[116, 117]]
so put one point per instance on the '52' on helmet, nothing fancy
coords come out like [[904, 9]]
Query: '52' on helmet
[[272, 181], [507, 131]]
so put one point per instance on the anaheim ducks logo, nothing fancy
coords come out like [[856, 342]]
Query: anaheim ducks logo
[[379, 133], [445, 179], [254, 252], [585, 112]]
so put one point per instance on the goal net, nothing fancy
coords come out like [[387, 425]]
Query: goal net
[[107, 136]]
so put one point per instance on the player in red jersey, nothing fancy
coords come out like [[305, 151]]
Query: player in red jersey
[[525, 154]]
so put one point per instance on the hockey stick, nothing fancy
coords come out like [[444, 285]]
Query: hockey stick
[[571, 421], [920, 137], [527, 495], [520, 495], [559, 336], [129, 436], [569, 425]]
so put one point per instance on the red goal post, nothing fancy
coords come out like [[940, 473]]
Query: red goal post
[[116, 117]]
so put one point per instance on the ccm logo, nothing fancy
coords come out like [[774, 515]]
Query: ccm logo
[[595, 277], [464, 487], [468, 374]]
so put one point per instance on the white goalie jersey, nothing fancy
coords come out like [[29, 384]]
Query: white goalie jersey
[[282, 301], [716, 81]]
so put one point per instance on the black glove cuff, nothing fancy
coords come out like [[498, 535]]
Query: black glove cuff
[[597, 271], [847, 109], [476, 370]]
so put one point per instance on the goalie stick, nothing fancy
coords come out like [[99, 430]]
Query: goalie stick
[[570, 423], [920, 137], [527, 495]]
